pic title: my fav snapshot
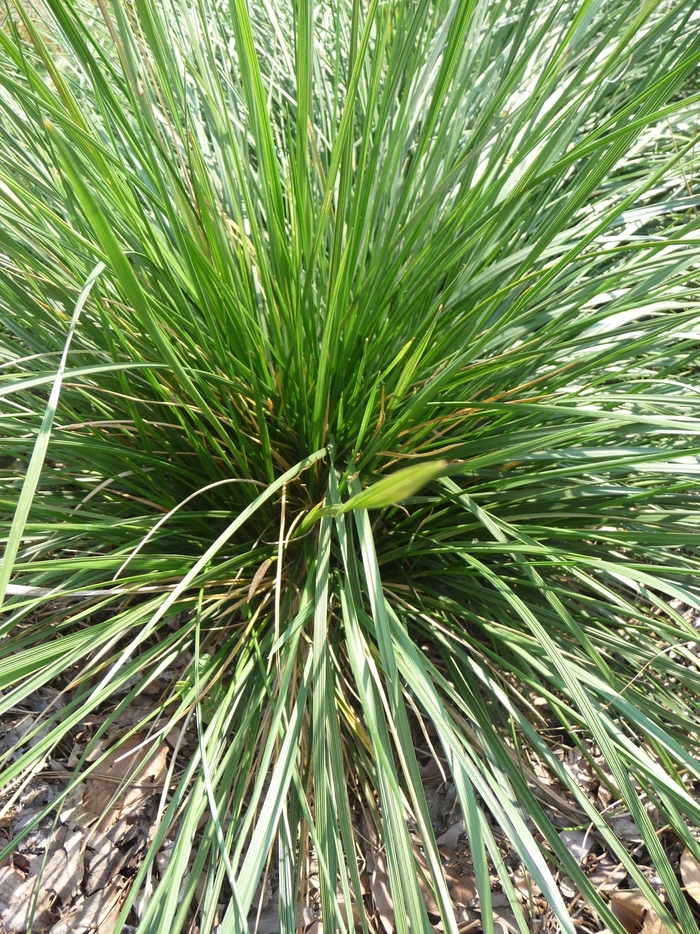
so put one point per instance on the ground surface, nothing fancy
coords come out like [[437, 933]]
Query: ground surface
[[70, 873]]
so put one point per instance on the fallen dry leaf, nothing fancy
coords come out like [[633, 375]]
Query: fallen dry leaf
[[462, 889], [626, 829], [356, 917], [431, 905], [96, 914], [505, 922], [104, 862], [629, 908], [58, 882], [653, 924], [607, 875], [451, 835], [268, 922], [432, 773], [525, 885], [381, 893], [10, 880], [379, 877], [633, 911], [690, 873], [124, 782], [578, 842]]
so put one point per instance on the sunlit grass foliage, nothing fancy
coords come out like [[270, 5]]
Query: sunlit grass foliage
[[255, 258]]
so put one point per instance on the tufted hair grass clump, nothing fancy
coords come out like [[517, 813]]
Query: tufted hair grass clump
[[348, 361]]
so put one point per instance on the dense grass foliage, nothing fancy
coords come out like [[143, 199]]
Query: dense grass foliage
[[256, 258]]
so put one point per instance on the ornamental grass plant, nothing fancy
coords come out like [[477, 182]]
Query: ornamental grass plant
[[348, 363]]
